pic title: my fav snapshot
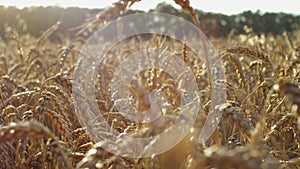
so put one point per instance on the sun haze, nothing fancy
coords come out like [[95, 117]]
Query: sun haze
[[217, 6]]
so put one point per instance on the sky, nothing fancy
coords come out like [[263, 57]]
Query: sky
[[219, 6]]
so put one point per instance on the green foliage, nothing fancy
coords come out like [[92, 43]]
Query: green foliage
[[35, 20]]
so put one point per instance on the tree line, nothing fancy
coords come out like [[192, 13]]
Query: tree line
[[37, 19]]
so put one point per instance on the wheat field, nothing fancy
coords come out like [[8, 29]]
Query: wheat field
[[260, 126]]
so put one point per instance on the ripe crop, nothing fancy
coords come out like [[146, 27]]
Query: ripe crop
[[260, 125]]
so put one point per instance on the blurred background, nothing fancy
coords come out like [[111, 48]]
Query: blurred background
[[218, 18]]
